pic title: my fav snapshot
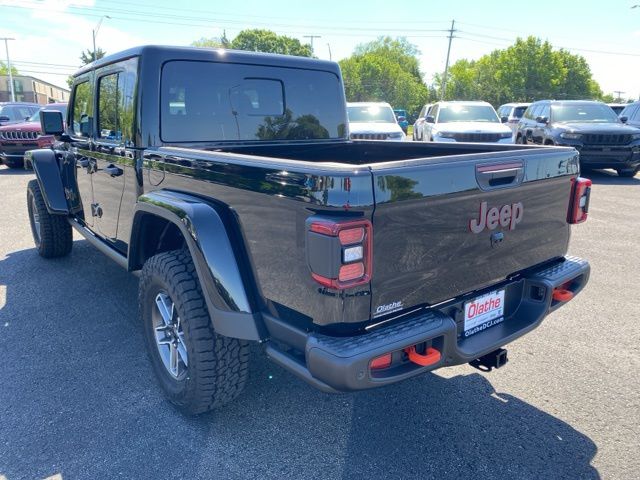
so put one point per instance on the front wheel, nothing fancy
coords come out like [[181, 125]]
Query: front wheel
[[52, 234], [198, 369]]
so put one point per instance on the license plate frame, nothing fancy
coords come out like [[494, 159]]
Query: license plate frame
[[483, 312]]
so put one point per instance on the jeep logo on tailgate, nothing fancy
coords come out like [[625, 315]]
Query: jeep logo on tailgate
[[505, 216]]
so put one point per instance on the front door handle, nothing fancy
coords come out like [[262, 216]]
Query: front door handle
[[113, 170]]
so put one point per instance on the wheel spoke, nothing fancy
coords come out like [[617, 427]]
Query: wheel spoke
[[182, 350], [165, 307], [174, 360]]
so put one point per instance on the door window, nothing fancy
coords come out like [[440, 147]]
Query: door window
[[82, 110], [115, 107], [545, 111]]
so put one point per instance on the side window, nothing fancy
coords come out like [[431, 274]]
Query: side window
[[82, 110], [434, 112], [545, 111], [422, 112], [635, 112], [116, 107]]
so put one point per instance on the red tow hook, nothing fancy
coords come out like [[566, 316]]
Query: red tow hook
[[562, 294], [431, 357]]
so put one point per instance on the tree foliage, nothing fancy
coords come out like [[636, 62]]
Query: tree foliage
[[86, 56], [385, 70], [258, 40], [5, 71], [528, 70]]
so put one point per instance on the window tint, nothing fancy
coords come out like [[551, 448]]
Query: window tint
[[518, 112], [208, 101], [545, 111], [82, 110], [116, 106]]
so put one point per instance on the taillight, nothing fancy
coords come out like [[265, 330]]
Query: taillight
[[579, 203], [339, 252]]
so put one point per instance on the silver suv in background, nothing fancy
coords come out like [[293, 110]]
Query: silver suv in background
[[373, 121], [513, 112], [418, 126], [466, 122]]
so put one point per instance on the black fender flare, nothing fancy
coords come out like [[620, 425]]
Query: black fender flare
[[45, 165], [202, 224]]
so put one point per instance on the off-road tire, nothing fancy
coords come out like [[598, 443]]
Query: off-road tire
[[55, 237], [217, 366]]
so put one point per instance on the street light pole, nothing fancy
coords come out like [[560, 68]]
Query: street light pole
[[6, 46], [95, 33]]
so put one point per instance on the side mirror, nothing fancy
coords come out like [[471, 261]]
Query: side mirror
[[504, 119], [430, 119], [544, 120], [4, 118], [624, 119], [51, 122], [402, 119]]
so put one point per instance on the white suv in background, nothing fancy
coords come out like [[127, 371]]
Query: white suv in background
[[513, 112], [465, 122], [373, 121]]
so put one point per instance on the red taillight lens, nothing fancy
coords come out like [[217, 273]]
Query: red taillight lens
[[351, 235], [350, 272], [579, 203], [340, 252], [383, 361]]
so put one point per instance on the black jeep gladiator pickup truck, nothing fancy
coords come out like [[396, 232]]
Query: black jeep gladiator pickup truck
[[228, 182]]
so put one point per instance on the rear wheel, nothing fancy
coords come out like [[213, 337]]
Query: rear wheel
[[198, 369], [51, 233]]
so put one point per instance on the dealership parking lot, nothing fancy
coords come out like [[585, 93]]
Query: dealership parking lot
[[78, 397]]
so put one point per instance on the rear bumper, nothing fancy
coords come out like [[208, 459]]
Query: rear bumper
[[343, 363]]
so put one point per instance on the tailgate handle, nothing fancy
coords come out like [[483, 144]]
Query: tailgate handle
[[499, 175]]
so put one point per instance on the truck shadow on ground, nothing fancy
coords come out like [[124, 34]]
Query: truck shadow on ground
[[609, 177], [78, 398], [4, 170]]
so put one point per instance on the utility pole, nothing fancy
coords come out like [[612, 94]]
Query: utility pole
[[619, 93], [446, 66], [311, 37], [329, 47], [6, 47]]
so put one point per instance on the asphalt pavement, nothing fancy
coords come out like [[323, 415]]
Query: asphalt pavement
[[78, 399]]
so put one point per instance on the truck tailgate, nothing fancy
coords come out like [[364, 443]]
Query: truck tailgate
[[447, 226]]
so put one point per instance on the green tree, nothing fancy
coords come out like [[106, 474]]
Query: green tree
[[212, 42], [86, 57], [257, 40], [528, 70], [385, 70], [5, 71]]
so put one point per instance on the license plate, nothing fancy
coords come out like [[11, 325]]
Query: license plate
[[483, 312]]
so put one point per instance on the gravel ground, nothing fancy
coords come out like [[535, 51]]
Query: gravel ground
[[79, 400]]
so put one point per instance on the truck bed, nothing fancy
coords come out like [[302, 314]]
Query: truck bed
[[420, 199]]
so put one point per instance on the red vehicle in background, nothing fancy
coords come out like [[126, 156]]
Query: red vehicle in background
[[18, 138]]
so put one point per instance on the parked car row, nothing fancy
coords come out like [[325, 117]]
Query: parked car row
[[373, 121], [18, 137]]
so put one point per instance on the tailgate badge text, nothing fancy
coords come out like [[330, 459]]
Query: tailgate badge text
[[505, 216]]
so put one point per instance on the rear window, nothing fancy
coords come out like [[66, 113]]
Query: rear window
[[214, 102], [518, 112]]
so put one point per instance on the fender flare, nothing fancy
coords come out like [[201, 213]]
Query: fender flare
[[206, 234], [45, 164]]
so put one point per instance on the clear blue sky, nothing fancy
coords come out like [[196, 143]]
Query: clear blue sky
[[50, 34]]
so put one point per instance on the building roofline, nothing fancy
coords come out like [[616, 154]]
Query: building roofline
[[37, 80]]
